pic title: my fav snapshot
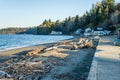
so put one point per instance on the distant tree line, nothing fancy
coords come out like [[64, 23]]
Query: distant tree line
[[12, 30], [101, 14]]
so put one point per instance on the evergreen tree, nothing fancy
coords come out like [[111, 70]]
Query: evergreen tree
[[76, 22], [118, 7], [109, 6], [69, 18]]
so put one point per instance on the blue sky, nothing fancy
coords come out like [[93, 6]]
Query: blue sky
[[25, 13]]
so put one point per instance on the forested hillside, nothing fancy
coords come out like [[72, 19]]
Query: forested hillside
[[104, 14]]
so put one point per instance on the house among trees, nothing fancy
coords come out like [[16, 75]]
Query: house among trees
[[88, 32], [101, 31], [78, 32], [56, 33]]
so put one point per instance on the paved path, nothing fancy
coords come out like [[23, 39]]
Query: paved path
[[106, 62]]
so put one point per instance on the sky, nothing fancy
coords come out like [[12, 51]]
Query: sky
[[29, 13]]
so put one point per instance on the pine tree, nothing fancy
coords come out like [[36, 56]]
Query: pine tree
[[76, 22], [118, 7]]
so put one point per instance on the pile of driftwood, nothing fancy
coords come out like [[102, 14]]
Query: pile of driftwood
[[26, 67], [81, 43]]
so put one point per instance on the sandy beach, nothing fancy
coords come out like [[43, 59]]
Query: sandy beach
[[56, 61]]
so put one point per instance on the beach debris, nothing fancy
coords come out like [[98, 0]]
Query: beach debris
[[3, 74], [40, 58], [85, 43], [65, 46], [82, 43], [63, 43], [21, 69], [54, 53], [28, 78], [97, 37], [28, 67], [35, 52], [51, 48], [74, 47], [70, 47], [34, 64]]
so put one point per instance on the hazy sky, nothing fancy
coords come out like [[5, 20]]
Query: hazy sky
[[25, 13]]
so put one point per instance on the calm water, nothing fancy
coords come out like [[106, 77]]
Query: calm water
[[17, 41]]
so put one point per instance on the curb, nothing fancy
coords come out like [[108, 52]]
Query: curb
[[93, 70]]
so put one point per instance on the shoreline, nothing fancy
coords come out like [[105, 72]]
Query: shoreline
[[24, 46], [10, 52]]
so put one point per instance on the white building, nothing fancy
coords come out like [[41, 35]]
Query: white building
[[56, 33], [88, 32], [98, 32], [101, 32], [78, 31]]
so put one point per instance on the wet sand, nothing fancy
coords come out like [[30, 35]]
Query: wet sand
[[18, 50]]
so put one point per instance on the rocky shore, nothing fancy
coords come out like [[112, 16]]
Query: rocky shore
[[65, 60]]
